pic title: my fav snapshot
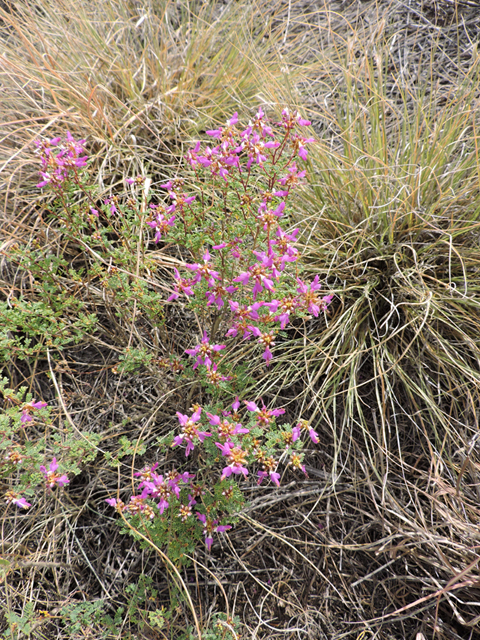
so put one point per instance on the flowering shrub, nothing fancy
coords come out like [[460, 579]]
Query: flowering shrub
[[245, 285]]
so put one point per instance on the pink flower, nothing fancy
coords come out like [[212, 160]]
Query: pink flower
[[192, 155], [139, 180], [293, 177], [286, 306], [225, 428], [266, 339], [282, 243], [180, 200], [303, 424], [203, 351], [217, 294], [270, 217], [204, 270], [258, 125], [116, 504], [296, 462], [51, 477], [171, 185], [241, 318], [269, 469], [190, 434], [274, 476], [227, 132], [264, 415], [38, 405], [57, 166], [310, 298], [209, 157], [11, 497], [289, 120], [214, 377], [243, 312], [55, 179], [210, 527], [237, 458], [157, 488], [147, 473], [260, 276], [300, 143], [28, 408], [74, 147], [44, 146], [234, 251], [175, 192], [182, 286], [162, 225], [235, 407], [137, 505], [255, 148]]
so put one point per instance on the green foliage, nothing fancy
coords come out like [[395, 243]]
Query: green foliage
[[31, 327], [76, 617], [20, 624], [133, 359], [139, 594], [157, 618]]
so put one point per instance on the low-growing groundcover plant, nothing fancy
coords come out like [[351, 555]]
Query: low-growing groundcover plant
[[243, 284]]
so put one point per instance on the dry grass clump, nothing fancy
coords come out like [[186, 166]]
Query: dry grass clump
[[391, 221], [382, 540]]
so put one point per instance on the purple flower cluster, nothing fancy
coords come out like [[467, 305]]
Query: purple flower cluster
[[174, 487], [60, 159], [203, 351], [178, 490], [234, 446], [254, 273], [242, 274], [190, 432], [257, 271], [14, 457], [162, 223]]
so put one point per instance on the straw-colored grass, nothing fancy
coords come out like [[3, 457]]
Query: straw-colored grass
[[382, 540], [392, 376], [134, 79]]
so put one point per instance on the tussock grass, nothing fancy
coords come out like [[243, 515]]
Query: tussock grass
[[392, 377], [382, 539]]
